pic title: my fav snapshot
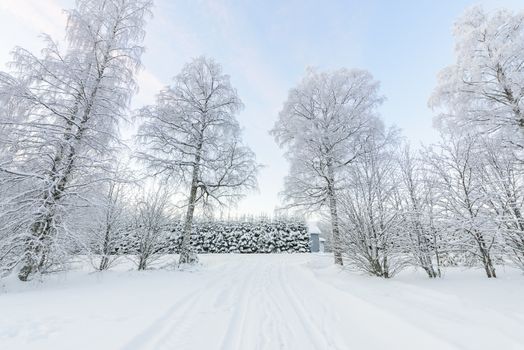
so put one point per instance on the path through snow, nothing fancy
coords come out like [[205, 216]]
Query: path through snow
[[262, 302]]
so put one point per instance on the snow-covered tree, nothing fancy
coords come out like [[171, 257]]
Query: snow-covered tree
[[503, 187], [484, 88], [370, 210], [191, 134], [468, 223], [113, 221], [151, 216], [59, 117], [324, 126], [417, 203]]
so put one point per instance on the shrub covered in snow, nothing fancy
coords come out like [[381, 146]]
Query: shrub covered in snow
[[229, 237]]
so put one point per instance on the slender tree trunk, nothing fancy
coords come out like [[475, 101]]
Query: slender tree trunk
[[437, 255], [486, 256], [142, 262], [337, 242], [385, 268], [423, 243], [479, 238], [517, 241], [104, 261], [489, 267], [425, 258], [37, 245], [187, 255]]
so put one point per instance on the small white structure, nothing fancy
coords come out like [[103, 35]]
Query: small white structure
[[316, 243]]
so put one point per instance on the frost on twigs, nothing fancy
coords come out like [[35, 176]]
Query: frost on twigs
[[191, 136], [59, 116], [324, 126]]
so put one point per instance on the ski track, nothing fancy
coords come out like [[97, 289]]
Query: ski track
[[264, 302], [273, 304]]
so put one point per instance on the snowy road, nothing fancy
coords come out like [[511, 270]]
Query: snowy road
[[271, 304], [261, 302]]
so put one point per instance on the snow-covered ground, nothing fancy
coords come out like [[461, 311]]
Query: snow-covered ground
[[287, 301]]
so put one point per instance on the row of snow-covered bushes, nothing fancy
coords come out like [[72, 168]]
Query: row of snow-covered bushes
[[226, 237]]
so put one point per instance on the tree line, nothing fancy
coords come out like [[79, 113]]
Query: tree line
[[66, 182], [62, 177], [458, 201]]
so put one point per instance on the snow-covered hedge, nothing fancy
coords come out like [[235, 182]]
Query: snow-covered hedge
[[230, 237]]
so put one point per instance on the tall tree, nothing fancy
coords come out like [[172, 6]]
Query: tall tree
[[60, 114], [324, 125], [192, 134], [484, 88]]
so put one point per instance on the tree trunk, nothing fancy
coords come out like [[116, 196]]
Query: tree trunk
[[337, 244], [36, 248], [35, 254], [142, 262], [426, 261], [104, 261], [488, 266], [486, 257], [187, 255], [430, 271], [60, 179]]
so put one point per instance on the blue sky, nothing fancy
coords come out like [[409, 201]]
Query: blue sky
[[266, 46]]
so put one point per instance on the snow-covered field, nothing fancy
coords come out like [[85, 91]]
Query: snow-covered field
[[287, 301]]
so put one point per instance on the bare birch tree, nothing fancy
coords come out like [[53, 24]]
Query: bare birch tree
[[370, 210], [324, 125], [416, 200], [151, 217], [60, 114], [502, 179], [462, 202], [113, 220], [192, 134]]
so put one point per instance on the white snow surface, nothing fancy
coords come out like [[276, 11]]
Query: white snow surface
[[270, 301]]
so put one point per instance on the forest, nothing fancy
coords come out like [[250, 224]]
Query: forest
[[71, 186], [132, 223]]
